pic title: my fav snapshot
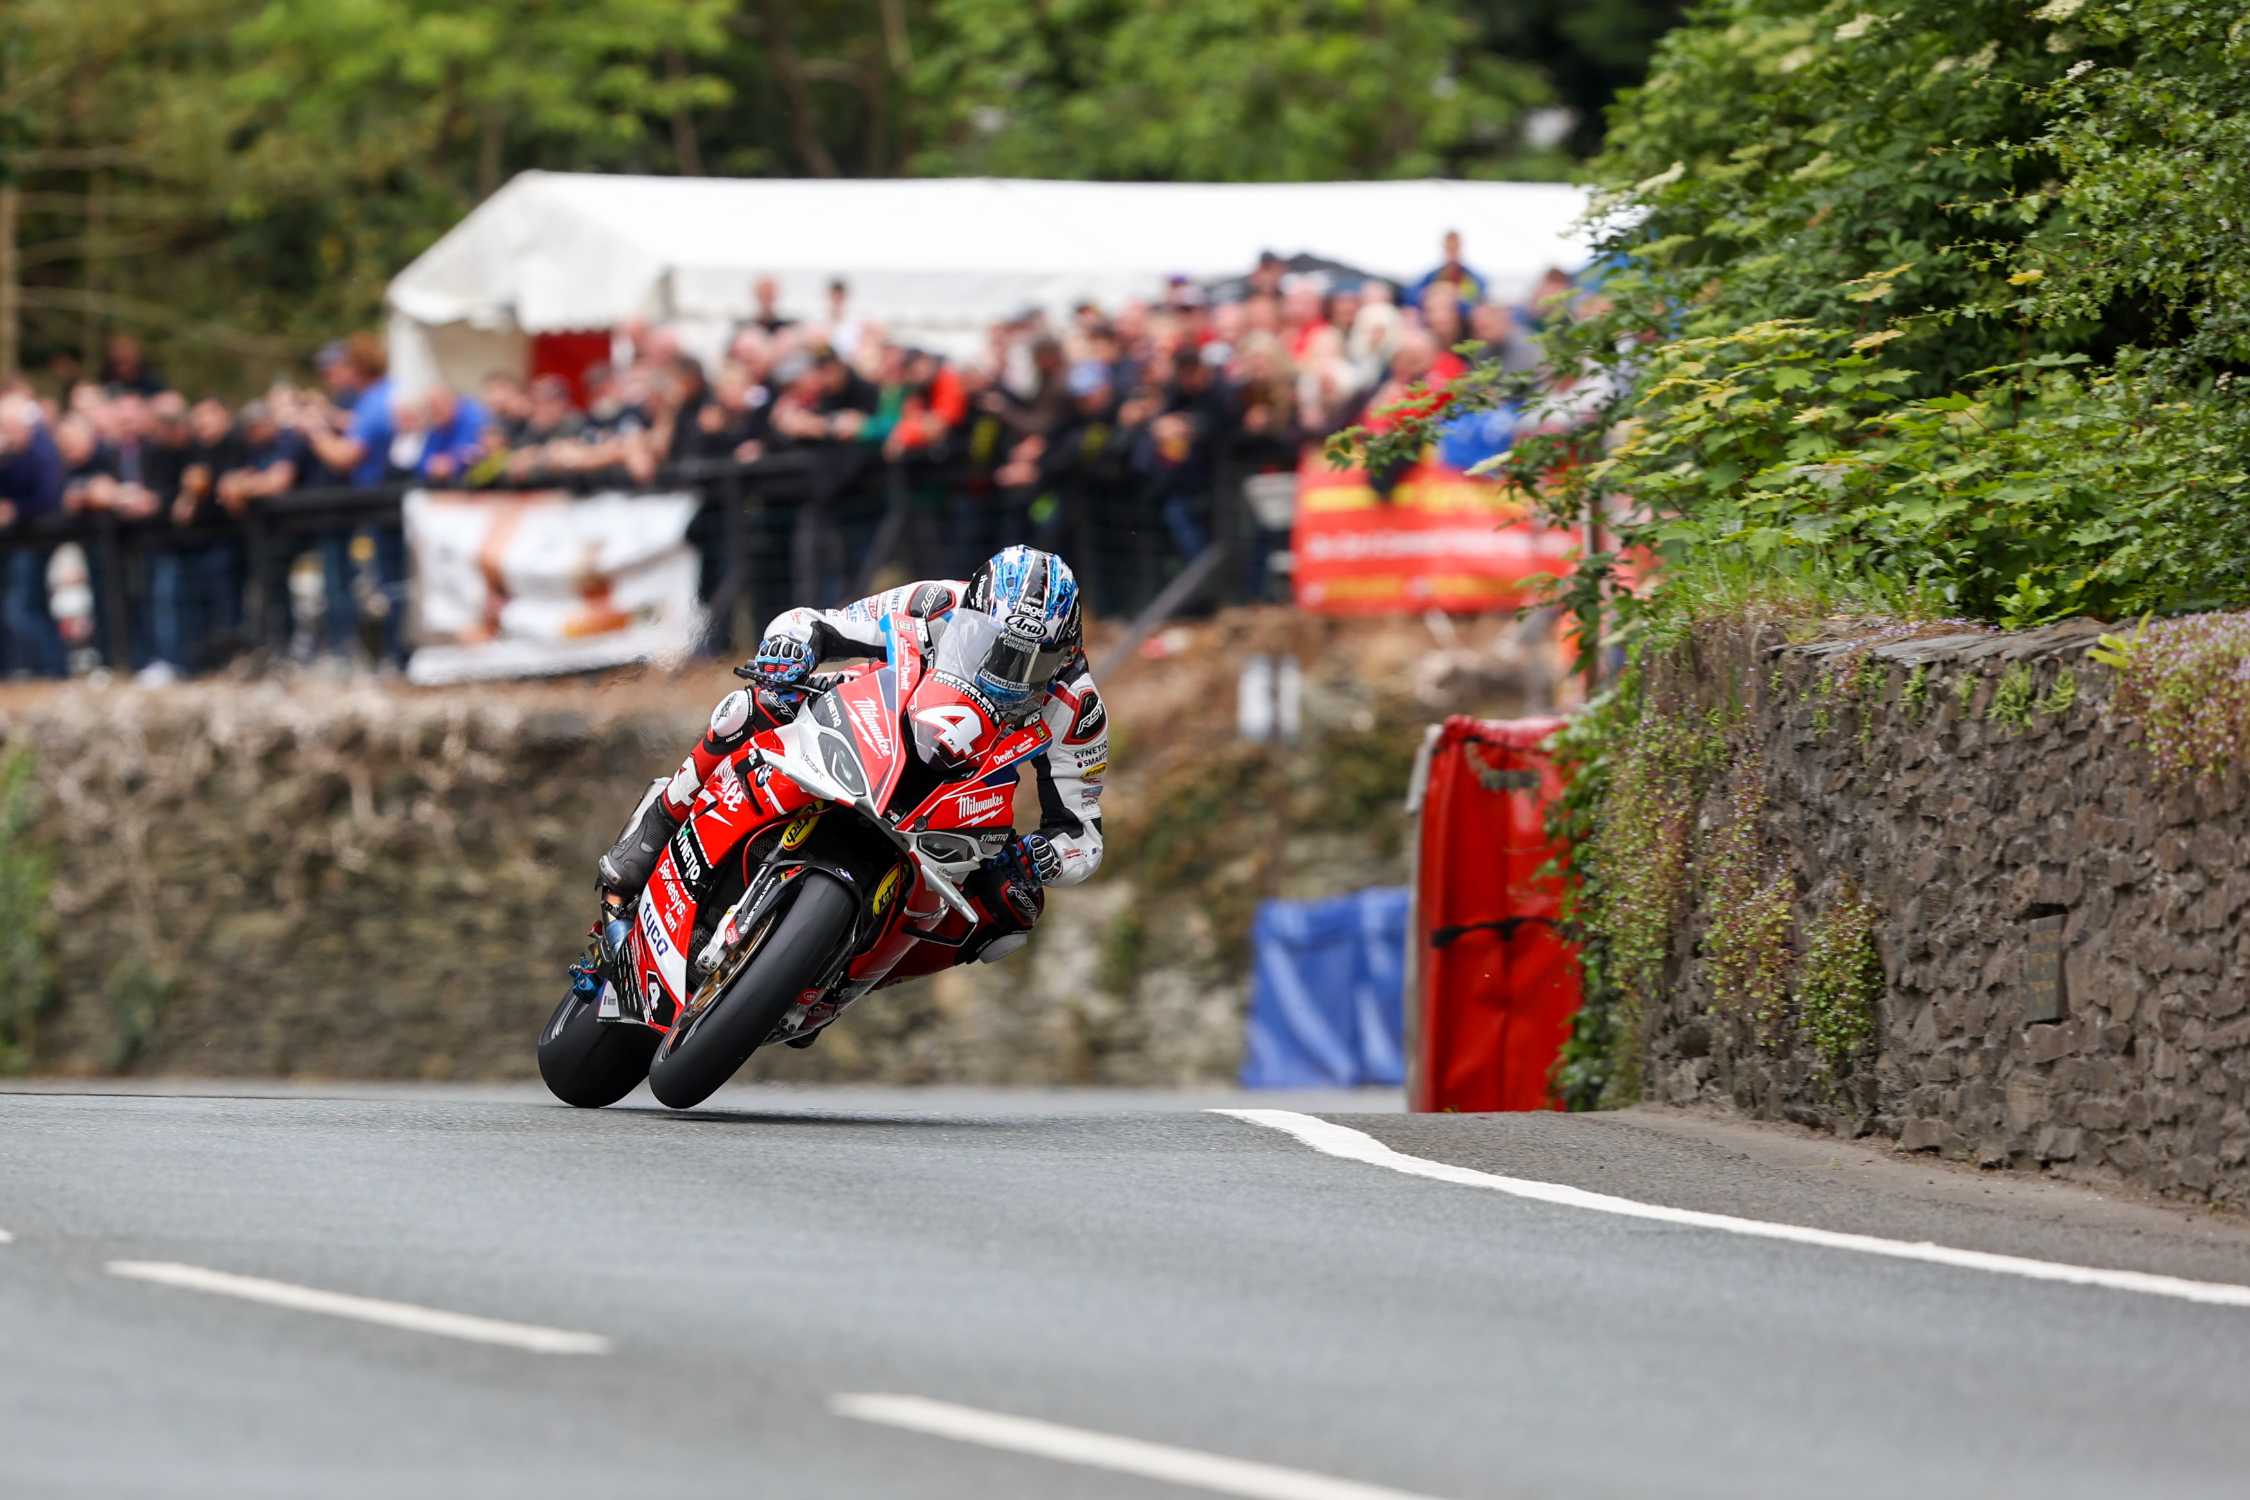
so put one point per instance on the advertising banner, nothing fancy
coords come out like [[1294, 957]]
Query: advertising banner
[[1437, 540], [521, 585]]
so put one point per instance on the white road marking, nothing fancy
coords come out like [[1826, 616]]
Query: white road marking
[[1354, 1145], [1099, 1450], [367, 1309], [6, 1238]]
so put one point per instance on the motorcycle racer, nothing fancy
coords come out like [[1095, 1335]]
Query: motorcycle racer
[[1035, 668]]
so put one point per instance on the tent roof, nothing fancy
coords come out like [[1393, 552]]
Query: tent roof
[[565, 250]]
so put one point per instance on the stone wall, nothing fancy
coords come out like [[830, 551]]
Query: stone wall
[[317, 880], [2063, 935]]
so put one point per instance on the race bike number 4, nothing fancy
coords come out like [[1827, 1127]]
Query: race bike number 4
[[956, 726]]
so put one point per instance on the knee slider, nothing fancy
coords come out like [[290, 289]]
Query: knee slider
[[1000, 947], [732, 717]]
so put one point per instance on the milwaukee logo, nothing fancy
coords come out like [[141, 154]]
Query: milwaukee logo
[[969, 807], [870, 716]]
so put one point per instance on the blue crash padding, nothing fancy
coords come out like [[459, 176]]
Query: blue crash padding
[[1327, 992]]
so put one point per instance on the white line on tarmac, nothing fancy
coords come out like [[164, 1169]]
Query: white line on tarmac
[[1099, 1450], [6, 1238], [367, 1309], [1341, 1140]]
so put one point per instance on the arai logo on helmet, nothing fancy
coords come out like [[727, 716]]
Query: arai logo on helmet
[[957, 727]]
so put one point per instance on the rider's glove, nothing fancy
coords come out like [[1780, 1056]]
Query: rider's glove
[[1033, 857], [785, 659]]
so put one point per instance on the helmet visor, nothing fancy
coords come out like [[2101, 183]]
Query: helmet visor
[[1007, 668]]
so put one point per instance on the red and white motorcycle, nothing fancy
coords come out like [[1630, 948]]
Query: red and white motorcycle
[[809, 866]]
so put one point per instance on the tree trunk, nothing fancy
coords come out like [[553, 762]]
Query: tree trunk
[[895, 47], [90, 323], [804, 129], [687, 147], [9, 301], [492, 140]]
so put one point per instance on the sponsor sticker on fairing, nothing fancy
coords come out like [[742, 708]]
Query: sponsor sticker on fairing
[[871, 723], [883, 892], [687, 857], [673, 899], [969, 807]]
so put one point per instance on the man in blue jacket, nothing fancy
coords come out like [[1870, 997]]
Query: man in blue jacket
[[1468, 286], [31, 489]]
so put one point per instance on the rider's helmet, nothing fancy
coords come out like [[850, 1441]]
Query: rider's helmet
[[1034, 597]]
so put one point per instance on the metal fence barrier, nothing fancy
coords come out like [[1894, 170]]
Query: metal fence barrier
[[817, 526]]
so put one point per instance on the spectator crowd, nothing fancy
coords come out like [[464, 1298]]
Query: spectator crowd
[[1079, 432]]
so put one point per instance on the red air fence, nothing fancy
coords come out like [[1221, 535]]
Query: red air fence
[[1492, 985]]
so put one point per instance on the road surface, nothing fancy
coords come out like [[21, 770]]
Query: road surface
[[211, 1291]]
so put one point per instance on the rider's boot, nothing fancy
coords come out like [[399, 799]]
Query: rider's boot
[[625, 869]]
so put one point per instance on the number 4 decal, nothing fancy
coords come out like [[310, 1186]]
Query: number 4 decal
[[956, 726]]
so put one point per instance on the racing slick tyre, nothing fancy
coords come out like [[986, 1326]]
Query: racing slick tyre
[[589, 1062], [705, 1048]]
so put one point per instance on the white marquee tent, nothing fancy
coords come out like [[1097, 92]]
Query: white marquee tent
[[934, 260]]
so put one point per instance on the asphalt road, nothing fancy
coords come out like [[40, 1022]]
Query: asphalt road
[[1125, 1266]]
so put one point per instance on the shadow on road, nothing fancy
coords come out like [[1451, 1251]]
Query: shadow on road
[[818, 1118]]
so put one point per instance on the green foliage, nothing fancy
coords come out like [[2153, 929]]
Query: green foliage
[[2185, 686], [1964, 688], [1915, 696], [1747, 907], [1938, 309], [2012, 700], [1226, 90], [1125, 950], [2117, 651], [25, 874], [137, 995], [1586, 749], [238, 182], [2059, 698], [1644, 770], [1840, 984]]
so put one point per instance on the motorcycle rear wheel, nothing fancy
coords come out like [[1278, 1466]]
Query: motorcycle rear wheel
[[588, 1062], [706, 1049]]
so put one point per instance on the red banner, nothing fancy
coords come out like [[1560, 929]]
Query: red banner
[[1438, 540]]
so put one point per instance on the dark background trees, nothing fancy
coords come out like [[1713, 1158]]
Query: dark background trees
[[237, 183]]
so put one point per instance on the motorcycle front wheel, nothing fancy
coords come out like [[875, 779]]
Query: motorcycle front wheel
[[589, 1062], [705, 1048]]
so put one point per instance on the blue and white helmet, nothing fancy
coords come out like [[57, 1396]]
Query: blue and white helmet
[[1034, 597]]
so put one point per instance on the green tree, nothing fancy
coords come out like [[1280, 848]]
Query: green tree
[[1934, 308], [238, 182], [1249, 90]]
